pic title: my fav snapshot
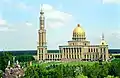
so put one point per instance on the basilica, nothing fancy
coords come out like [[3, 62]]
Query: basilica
[[77, 49]]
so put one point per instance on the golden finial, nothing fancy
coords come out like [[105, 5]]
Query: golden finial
[[78, 25]]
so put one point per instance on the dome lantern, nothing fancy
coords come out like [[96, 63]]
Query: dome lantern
[[103, 42]]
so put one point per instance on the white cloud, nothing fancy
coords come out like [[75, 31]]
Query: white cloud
[[56, 18], [110, 1], [4, 26], [3, 22], [28, 24]]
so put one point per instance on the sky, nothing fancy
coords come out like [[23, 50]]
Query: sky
[[19, 22]]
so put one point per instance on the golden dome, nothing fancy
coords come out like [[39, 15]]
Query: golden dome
[[79, 30], [103, 42]]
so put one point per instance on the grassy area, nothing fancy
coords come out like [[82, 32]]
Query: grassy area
[[64, 63], [44, 64], [116, 60], [79, 63]]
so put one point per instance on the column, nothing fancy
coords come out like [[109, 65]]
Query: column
[[73, 53], [76, 53], [65, 54], [38, 54], [79, 53], [68, 52], [62, 53]]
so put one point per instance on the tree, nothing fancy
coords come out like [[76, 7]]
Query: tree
[[4, 58], [111, 77], [31, 73], [115, 69], [81, 76], [1, 73], [24, 58]]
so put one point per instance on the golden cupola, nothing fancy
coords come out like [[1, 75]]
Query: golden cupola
[[103, 42], [78, 33]]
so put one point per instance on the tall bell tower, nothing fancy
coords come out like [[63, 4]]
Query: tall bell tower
[[41, 48]]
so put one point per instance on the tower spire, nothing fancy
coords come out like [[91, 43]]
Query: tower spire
[[102, 36], [41, 9]]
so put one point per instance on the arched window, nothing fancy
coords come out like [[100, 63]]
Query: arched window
[[101, 49], [55, 56], [85, 56], [48, 56], [88, 49]]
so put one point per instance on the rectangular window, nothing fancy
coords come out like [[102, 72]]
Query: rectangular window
[[104, 50], [91, 50], [69, 56], [72, 50], [77, 50], [66, 50], [96, 50], [72, 56], [75, 56], [80, 49]]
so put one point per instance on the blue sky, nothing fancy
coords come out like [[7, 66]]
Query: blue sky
[[19, 22]]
